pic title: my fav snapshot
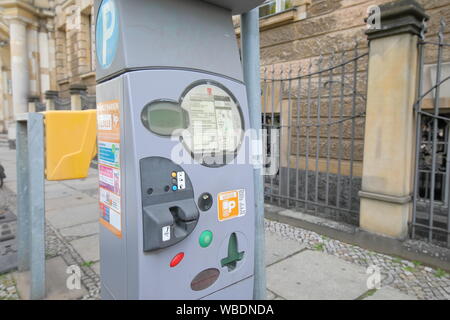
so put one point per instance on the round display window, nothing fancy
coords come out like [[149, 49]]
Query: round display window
[[216, 128]]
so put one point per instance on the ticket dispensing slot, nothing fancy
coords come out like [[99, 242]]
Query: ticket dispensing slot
[[169, 210]]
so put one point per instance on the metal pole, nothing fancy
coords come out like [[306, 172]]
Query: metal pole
[[37, 204], [23, 198], [250, 50]]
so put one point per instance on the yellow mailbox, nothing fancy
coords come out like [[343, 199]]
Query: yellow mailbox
[[70, 142]]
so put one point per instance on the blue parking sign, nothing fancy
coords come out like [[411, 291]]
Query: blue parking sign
[[107, 33]]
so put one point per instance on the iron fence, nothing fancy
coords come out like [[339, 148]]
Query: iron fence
[[314, 122], [431, 209]]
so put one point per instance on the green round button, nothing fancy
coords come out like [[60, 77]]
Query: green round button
[[205, 239]]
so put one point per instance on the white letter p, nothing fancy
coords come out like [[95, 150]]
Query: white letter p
[[107, 32]]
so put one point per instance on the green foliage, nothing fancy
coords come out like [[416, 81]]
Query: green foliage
[[440, 273], [371, 292], [319, 247], [88, 264], [417, 263], [408, 268]]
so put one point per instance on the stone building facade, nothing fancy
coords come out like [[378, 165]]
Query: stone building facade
[[6, 111], [46, 46], [57, 36]]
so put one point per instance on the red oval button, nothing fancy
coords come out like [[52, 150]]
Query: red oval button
[[177, 259]]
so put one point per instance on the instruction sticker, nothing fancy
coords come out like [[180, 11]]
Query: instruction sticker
[[166, 233], [231, 204], [108, 123], [109, 153]]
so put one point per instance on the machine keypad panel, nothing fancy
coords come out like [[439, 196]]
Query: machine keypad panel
[[169, 210]]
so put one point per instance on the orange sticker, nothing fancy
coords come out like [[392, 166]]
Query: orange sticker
[[108, 118], [231, 204]]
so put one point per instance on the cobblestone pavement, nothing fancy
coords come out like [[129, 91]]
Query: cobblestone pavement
[[409, 277], [8, 289], [55, 246]]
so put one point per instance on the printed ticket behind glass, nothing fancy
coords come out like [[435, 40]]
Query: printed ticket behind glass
[[176, 207]]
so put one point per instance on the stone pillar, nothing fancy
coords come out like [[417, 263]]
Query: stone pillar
[[8, 112], [19, 72], [19, 65], [50, 97], [52, 58], [32, 101], [76, 90], [33, 60], [387, 186], [3, 108], [44, 59]]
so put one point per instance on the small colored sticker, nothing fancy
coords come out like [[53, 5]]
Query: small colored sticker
[[166, 233], [181, 182], [231, 204]]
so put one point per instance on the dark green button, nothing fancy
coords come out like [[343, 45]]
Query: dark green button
[[205, 239]]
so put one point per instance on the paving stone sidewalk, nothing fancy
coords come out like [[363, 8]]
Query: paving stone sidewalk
[[324, 263], [71, 232], [300, 264]]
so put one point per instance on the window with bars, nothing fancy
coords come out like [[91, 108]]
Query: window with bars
[[442, 175], [271, 124], [274, 6]]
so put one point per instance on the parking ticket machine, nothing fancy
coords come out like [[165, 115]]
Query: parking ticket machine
[[176, 204]]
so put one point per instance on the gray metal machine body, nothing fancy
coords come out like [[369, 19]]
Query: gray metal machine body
[[164, 243]]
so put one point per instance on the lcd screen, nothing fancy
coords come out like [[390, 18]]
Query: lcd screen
[[163, 117]]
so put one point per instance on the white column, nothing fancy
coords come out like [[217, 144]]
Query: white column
[[19, 66], [32, 46], [52, 59], [44, 61], [9, 113], [3, 107]]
